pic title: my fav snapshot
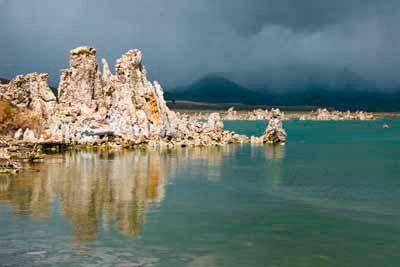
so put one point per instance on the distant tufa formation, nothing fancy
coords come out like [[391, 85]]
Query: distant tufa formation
[[231, 115], [323, 114], [257, 114], [102, 108]]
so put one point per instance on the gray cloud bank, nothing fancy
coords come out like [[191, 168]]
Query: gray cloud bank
[[256, 43]]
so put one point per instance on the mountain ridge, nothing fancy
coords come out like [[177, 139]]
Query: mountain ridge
[[214, 88]]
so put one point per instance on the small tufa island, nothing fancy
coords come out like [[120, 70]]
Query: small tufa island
[[100, 109]]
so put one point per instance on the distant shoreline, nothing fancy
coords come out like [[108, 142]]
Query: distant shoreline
[[292, 112], [206, 106]]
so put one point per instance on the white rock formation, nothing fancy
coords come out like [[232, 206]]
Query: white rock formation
[[94, 106], [275, 134], [29, 136], [31, 92]]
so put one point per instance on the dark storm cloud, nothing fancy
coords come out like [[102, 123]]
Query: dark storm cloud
[[250, 17], [254, 42]]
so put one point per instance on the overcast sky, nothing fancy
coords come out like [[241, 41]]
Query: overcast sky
[[253, 42]]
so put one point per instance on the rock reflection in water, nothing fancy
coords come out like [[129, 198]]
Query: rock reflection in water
[[27, 196], [274, 155], [206, 161], [269, 152], [97, 189], [109, 186], [274, 152]]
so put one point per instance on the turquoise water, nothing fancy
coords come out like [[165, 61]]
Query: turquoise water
[[330, 197]]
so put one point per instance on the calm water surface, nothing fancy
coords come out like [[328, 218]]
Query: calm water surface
[[330, 197]]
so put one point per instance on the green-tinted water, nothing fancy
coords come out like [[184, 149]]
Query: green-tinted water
[[330, 197]]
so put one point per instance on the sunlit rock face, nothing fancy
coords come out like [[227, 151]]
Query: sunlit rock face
[[125, 104], [80, 83], [134, 101], [94, 106], [30, 92]]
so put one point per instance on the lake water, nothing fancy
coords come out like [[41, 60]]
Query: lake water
[[330, 197]]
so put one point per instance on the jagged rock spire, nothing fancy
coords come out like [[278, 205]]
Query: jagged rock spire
[[81, 82], [91, 105]]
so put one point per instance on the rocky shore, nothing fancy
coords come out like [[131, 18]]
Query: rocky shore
[[101, 109]]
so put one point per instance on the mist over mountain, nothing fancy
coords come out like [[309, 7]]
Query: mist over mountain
[[214, 88], [343, 90], [301, 76]]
